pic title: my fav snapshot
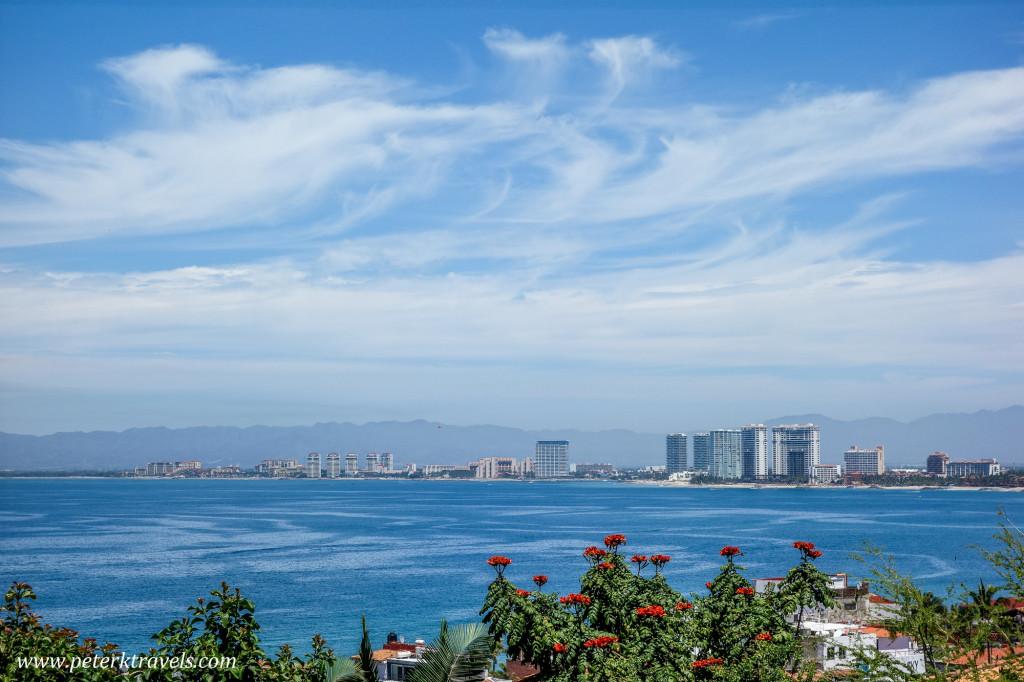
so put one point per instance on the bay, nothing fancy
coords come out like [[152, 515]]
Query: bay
[[119, 559]]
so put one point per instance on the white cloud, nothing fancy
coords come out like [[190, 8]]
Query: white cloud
[[630, 57]]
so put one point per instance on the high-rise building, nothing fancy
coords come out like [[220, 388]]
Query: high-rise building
[[725, 453], [702, 452], [313, 465], [754, 448], [869, 462], [372, 460], [551, 458], [387, 462], [937, 463], [333, 465], [675, 453], [351, 464], [495, 467], [795, 448]]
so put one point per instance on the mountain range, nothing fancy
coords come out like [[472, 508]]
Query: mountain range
[[984, 434]]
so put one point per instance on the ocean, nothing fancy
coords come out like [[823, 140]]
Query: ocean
[[119, 559]]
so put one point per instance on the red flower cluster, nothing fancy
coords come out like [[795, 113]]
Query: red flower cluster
[[559, 647], [683, 605], [730, 551], [523, 593], [707, 585], [540, 580], [660, 559], [814, 553], [499, 561], [656, 611], [600, 641], [764, 637], [704, 662], [804, 545], [745, 590], [575, 599], [615, 540], [606, 564], [638, 559], [594, 552]]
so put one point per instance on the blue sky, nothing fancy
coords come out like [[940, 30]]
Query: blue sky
[[606, 216]]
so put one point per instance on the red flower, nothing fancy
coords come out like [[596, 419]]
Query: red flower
[[804, 545], [660, 559], [638, 559], [575, 599], [523, 593], [683, 605], [559, 647], [705, 662], [613, 541], [499, 563], [707, 585], [764, 637], [814, 554], [745, 590], [600, 641], [606, 564], [540, 580], [656, 611], [594, 552], [730, 551]]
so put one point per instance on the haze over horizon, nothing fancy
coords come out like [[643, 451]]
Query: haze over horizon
[[634, 217]]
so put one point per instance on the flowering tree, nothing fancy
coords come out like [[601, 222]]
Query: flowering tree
[[623, 625]]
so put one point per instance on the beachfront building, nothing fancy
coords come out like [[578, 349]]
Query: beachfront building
[[675, 453], [525, 467], [754, 451], [795, 449], [869, 462], [387, 462], [372, 462], [702, 453], [188, 464], [825, 474], [272, 467], [726, 461], [969, 469], [313, 465], [159, 468], [351, 464], [937, 463], [333, 465], [495, 467], [551, 458]]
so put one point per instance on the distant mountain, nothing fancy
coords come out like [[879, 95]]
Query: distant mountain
[[998, 434]]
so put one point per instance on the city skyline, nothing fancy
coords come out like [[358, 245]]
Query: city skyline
[[634, 217]]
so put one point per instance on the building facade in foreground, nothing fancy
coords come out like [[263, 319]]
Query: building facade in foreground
[[795, 448], [675, 453], [869, 462], [551, 458]]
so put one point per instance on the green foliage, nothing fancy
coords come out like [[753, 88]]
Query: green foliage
[[459, 654], [25, 637], [623, 625], [367, 666]]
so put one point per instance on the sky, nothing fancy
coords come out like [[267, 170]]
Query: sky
[[604, 215]]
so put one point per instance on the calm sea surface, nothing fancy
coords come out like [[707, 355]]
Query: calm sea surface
[[120, 559]]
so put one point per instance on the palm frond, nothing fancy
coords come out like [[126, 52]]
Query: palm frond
[[459, 654]]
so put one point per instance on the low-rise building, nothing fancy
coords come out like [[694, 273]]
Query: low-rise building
[[969, 469], [270, 467], [937, 463], [824, 474]]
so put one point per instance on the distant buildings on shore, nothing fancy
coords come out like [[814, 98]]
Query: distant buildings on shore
[[742, 454]]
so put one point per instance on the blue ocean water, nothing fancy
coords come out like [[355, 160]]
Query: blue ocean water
[[119, 559]]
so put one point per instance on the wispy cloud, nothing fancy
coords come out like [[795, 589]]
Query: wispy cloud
[[632, 237], [761, 22]]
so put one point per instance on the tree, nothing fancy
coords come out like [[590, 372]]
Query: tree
[[623, 625], [459, 654]]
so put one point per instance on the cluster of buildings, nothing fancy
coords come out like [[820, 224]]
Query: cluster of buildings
[[192, 468], [744, 452], [795, 451]]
